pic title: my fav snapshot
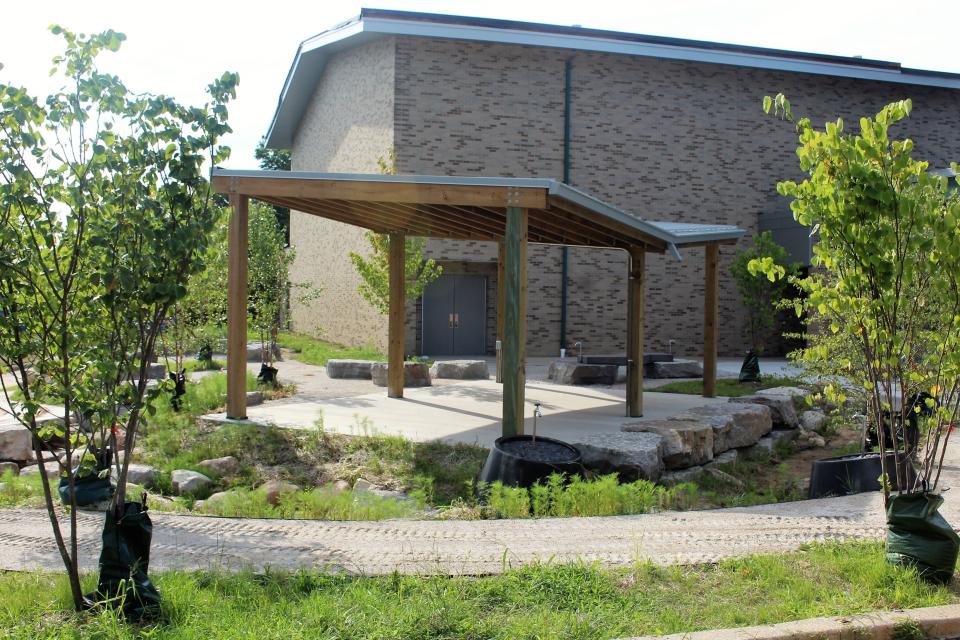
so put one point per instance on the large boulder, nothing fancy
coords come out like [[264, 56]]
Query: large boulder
[[793, 392], [415, 374], [782, 411], [220, 466], [51, 468], [674, 369], [143, 474], [630, 455], [734, 424], [812, 420], [352, 369], [258, 351], [273, 489], [686, 443], [186, 481], [461, 370], [564, 372], [16, 443]]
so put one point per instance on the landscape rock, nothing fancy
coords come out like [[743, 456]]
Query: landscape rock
[[675, 369], [734, 425], [631, 455], [782, 412], [220, 466], [156, 371], [389, 494], [768, 443], [686, 443], [273, 489], [793, 392], [352, 369], [812, 420], [362, 485], [9, 467], [727, 457], [563, 372], [415, 374], [186, 481], [725, 477], [143, 474], [260, 351], [340, 486], [214, 500], [254, 398], [679, 476], [461, 370], [808, 440], [16, 443], [51, 468]]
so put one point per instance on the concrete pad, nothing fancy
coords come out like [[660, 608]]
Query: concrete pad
[[469, 411]]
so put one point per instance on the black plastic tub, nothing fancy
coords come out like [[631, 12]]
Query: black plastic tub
[[849, 474], [520, 461]]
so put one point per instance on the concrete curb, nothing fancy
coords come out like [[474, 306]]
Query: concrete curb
[[938, 622]]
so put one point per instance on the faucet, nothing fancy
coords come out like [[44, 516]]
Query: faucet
[[671, 346], [579, 346], [536, 414]]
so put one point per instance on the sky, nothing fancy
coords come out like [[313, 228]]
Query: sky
[[176, 47]]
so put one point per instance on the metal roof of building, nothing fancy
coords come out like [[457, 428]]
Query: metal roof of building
[[372, 24], [559, 214]]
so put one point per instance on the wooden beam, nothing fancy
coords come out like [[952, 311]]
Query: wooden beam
[[635, 321], [395, 332], [515, 320], [237, 308], [710, 326], [381, 191], [633, 235], [501, 274]]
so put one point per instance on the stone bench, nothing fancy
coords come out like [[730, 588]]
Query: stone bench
[[461, 370], [415, 374], [564, 372], [349, 369], [673, 369]]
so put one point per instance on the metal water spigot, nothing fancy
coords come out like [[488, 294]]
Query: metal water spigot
[[536, 414], [579, 346]]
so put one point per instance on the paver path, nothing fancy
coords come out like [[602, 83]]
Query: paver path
[[464, 547]]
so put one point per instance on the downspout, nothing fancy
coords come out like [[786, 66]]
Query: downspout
[[565, 252]]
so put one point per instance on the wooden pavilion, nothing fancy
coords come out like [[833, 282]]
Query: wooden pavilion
[[510, 211]]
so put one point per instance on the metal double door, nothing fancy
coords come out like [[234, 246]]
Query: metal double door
[[454, 316]]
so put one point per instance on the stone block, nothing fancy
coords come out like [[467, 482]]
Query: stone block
[[143, 474], [729, 456], [16, 443], [50, 468], [260, 351], [630, 455], [185, 481], [563, 372], [678, 476], [254, 398], [461, 370], [273, 489], [220, 466], [812, 420], [415, 374], [734, 425], [793, 392], [782, 412], [350, 369], [686, 443], [674, 369]]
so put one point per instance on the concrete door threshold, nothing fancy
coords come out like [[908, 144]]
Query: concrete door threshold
[[937, 622]]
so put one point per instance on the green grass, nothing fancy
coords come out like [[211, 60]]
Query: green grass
[[545, 602], [602, 496], [192, 365], [729, 386], [318, 504], [23, 491], [315, 351], [756, 488]]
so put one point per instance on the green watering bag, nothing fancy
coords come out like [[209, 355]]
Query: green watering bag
[[124, 562], [918, 536], [89, 490]]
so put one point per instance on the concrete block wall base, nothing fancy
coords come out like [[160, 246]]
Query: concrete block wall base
[[937, 622]]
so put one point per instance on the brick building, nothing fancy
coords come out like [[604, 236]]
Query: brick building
[[667, 129]]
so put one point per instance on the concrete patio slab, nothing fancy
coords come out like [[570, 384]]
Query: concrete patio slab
[[468, 411]]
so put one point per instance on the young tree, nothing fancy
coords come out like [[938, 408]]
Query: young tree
[[374, 270], [761, 295], [889, 267], [104, 213]]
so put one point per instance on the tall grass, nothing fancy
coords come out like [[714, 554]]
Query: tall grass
[[315, 351], [319, 504], [604, 496]]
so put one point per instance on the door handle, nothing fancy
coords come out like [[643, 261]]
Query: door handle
[[456, 320], [450, 321]]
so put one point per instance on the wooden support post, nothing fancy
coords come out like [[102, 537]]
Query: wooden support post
[[710, 326], [635, 322], [501, 288], [395, 330], [237, 308], [514, 320]]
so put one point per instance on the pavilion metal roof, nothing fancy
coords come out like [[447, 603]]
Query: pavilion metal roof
[[467, 208]]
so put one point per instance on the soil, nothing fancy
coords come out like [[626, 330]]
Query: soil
[[539, 451], [797, 465]]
